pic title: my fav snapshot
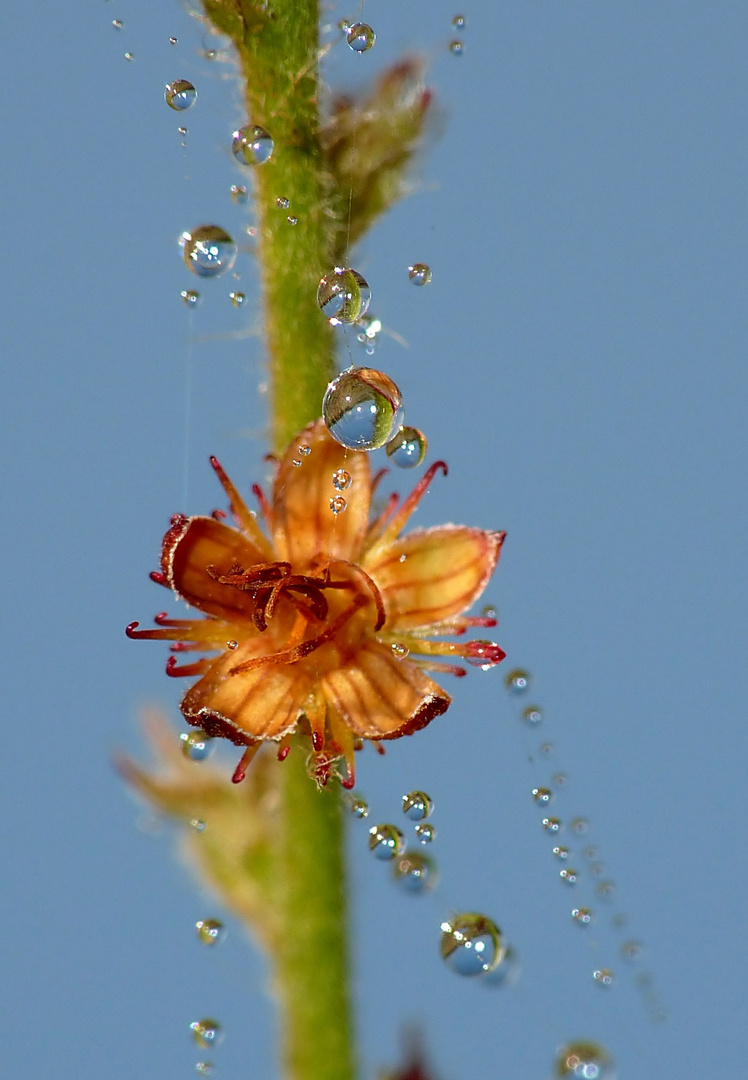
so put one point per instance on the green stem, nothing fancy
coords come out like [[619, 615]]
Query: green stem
[[278, 58]]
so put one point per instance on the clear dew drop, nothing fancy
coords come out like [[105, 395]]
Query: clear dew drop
[[552, 824], [237, 298], [582, 916], [292, 219], [358, 806], [360, 37], [173, 40], [585, 1061], [400, 651], [304, 450], [407, 447], [343, 296], [547, 749], [579, 825], [603, 976], [208, 251], [197, 824], [338, 504], [180, 94], [569, 876], [369, 330], [190, 297], [471, 944], [632, 950], [517, 681], [459, 22], [425, 832], [296, 462], [457, 47], [341, 480], [210, 931], [252, 145], [532, 715], [414, 872], [196, 745], [282, 202], [206, 1032], [386, 842], [489, 612], [117, 24], [361, 407], [129, 57], [561, 852], [204, 1068], [233, 645], [417, 805], [239, 194], [542, 795], [182, 131], [420, 273]]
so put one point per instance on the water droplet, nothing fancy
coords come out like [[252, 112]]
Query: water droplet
[[399, 651], [369, 330], [568, 876], [560, 779], [197, 824], [547, 749], [182, 131], [483, 654], [386, 841], [358, 806], [210, 931], [208, 250], [532, 714], [343, 295], [205, 1068], [173, 40], [180, 94], [237, 298], [579, 825], [129, 56], [117, 24], [489, 612], [417, 805], [585, 1060], [591, 853], [282, 202], [232, 645], [239, 194], [361, 407], [419, 273], [196, 745], [338, 504], [606, 890], [296, 462], [471, 944], [517, 681], [206, 1032], [632, 950], [459, 22], [360, 37], [292, 219], [304, 450], [251, 145], [603, 976], [407, 447], [191, 297], [552, 824], [456, 47], [581, 915], [542, 795], [597, 869], [425, 832], [414, 872], [561, 852], [341, 480]]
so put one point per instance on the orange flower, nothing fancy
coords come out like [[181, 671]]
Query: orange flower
[[320, 618]]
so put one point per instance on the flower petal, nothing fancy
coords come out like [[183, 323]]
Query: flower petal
[[194, 545], [433, 574], [264, 703], [380, 697], [304, 523]]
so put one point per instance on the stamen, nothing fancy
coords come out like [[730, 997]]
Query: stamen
[[244, 762], [198, 668], [265, 508], [440, 667], [247, 520], [159, 578], [218, 515], [396, 525], [372, 585], [377, 480], [378, 524]]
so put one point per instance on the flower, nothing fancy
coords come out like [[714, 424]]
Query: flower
[[317, 622]]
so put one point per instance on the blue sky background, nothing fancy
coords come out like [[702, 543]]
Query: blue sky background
[[579, 360]]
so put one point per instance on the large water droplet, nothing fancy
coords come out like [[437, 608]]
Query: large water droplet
[[252, 145], [196, 745], [417, 805], [471, 944], [360, 37], [386, 841], [414, 872], [425, 832], [210, 931], [341, 480], [419, 273], [208, 250], [180, 94], [343, 295], [361, 407], [517, 681], [407, 447], [585, 1060], [206, 1032]]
